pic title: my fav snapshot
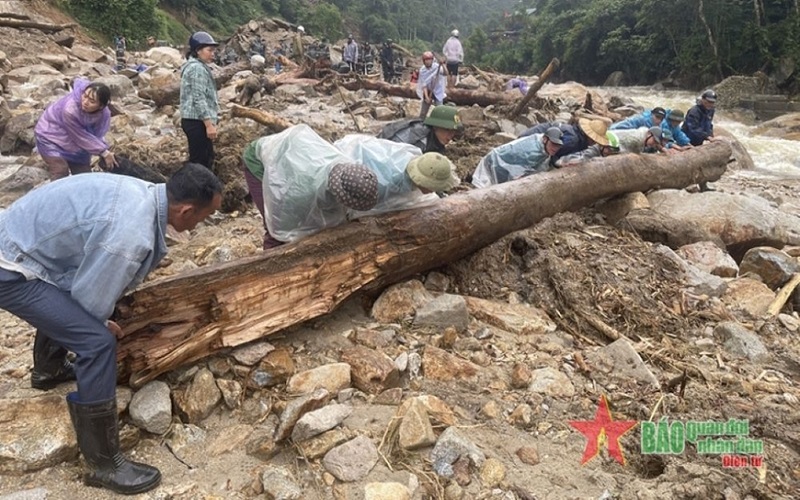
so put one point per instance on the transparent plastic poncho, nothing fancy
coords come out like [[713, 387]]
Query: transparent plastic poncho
[[297, 202], [297, 162], [514, 160], [388, 159]]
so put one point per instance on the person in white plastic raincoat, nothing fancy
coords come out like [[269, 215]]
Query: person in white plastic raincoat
[[518, 158], [289, 176]]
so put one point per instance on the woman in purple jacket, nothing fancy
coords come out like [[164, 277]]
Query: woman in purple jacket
[[71, 130]]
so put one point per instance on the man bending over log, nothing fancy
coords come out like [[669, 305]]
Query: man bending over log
[[68, 251], [519, 158], [303, 184]]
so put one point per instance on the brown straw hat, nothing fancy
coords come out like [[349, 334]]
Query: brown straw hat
[[354, 186], [595, 129]]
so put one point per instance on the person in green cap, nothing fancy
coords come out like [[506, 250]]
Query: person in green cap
[[430, 135]]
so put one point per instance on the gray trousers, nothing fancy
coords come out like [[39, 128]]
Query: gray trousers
[[55, 314]]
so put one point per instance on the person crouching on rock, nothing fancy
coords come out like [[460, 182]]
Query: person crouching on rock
[[68, 252], [72, 129]]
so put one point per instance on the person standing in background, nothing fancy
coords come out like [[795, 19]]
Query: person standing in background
[[454, 54], [350, 52], [431, 84], [199, 102]]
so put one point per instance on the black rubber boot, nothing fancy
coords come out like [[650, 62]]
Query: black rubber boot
[[50, 364], [98, 439]]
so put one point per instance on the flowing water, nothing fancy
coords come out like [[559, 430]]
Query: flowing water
[[775, 159]]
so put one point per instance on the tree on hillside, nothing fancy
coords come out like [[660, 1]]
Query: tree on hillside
[[325, 22], [135, 19]]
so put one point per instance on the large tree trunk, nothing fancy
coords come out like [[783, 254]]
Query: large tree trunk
[[187, 317], [45, 27], [462, 97], [171, 94]]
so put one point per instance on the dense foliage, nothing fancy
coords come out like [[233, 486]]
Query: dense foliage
[[694, 41]]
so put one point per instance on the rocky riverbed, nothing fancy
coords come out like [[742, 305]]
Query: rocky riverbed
[[462, 382]]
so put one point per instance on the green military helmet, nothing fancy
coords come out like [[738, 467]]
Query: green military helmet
[[444, 117], [433, 172]]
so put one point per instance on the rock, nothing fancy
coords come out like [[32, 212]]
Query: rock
[[352, 460], [18, 133], [229, 439], [619, 207], [383, 113], [401, 361], [741, 221], [789, 322], [551, 382], [522, 416], [260, 444], [521, 376], [166, 56], [181, 435], [414, 364], [472, 115], [280, 484], [709, 258], [252, 353], [528, 455], [371, 371], [198, 400], [16, 180], [443, 311], [774, 266], [151, 407], [274, 369], [386, 491], [415, 430], [441, 365], [63, 39], [697, 282], [437, 282], [231, 392], [297, 408], [450, 446], [453, 491], [121, 86], [316, 422], [89, 54], [320, 445], [36, 433], [510, 127], [400, 301], [289, 92], [657, 227], [373, 339], [26, 73], [620, 361], [741, 342], [29, 494], [448, 338], [389, 397], [493, 473], [749, 296], [515, 318], [57, 61], [491, 410], [334, 377]]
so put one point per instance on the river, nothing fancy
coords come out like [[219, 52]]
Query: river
[[775, 159]]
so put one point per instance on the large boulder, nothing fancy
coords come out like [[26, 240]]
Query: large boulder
[[25, 73], [121, 86], [572, 93], [741, 221], [166, 56], [89, 54]]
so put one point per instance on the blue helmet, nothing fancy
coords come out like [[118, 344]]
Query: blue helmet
[[200, 39]]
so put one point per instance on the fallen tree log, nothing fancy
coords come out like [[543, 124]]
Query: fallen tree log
[[273, 122], [462, 97], [190, 316], [171, 94], [45, 27], [523, 104]]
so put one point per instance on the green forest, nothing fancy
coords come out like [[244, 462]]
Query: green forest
[[696, 42]]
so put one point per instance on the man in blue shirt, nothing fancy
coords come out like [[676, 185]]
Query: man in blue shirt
[[68, 251], [647, 119]]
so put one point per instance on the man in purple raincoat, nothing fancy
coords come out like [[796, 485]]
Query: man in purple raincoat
[[71, 130]]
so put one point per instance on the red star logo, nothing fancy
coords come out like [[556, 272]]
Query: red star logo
[[603, 430]]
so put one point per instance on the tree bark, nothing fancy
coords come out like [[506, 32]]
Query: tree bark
[[45, 27], [187, 317], [171, 94], [462, 97], [523, 104]]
